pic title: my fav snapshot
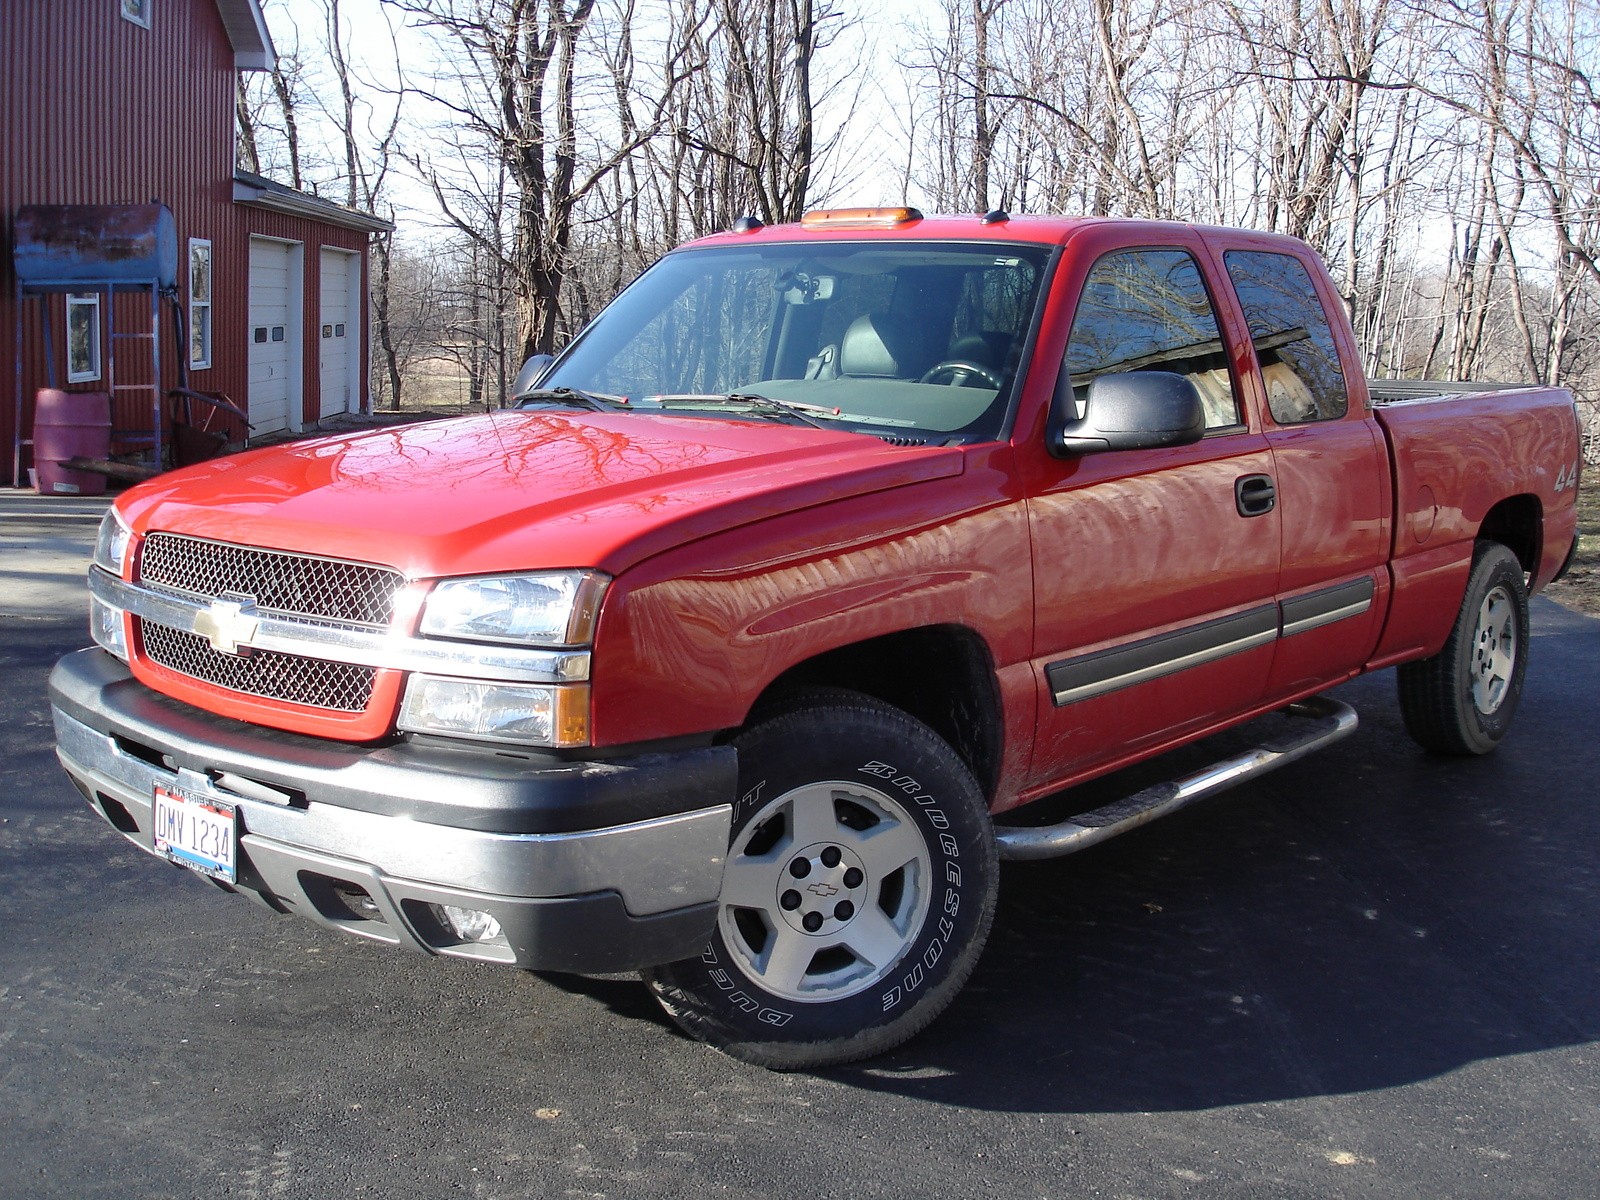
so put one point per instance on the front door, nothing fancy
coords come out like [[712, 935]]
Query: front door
[[1155, 570]]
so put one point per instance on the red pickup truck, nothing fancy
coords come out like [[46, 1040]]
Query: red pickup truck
[[731, 649]]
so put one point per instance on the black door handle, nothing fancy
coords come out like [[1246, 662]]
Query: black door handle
[[1254, 495]]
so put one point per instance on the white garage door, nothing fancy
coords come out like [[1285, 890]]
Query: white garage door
[[274, 321], [336, 336]]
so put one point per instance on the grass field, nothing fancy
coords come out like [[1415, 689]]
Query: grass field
[[437, 386]]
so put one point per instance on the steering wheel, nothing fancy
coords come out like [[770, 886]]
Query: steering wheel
[[961, 371]]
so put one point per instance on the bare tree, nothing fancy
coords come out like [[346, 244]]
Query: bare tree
[[414, 326], [742, 135], [512, 96], [249, 155], [368, 145], [1443, 155]]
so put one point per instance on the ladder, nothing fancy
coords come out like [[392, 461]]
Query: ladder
[[152, 335]]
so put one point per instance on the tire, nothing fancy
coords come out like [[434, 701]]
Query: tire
[[1461, 701], [859, 890]]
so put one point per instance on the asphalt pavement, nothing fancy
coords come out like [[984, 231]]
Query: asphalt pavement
[[45, 544], [1374, 973]]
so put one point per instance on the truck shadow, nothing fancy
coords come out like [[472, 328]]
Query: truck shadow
[[1368, 918], [1371, 918]]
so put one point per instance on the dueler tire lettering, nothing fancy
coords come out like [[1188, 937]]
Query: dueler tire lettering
[[1461, 701], [858, 893]]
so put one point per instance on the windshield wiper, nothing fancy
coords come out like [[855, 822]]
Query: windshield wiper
[[568, 397], [749, 401]]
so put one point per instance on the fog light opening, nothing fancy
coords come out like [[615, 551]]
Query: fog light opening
[[359, 902], [116, 812], [107, 627], [468, 924]]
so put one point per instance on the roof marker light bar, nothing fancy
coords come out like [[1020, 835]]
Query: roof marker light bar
[[859, 218]]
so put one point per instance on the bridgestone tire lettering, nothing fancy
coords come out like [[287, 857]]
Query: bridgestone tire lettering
[[858, 893]]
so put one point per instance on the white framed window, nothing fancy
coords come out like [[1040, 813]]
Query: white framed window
[[137, 11], [83, 338], [199, 304]]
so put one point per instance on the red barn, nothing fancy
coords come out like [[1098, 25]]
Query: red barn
[[128, 106]]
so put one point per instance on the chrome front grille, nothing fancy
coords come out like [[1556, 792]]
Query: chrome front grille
[[342, 687], [327, 589], [318, 591]]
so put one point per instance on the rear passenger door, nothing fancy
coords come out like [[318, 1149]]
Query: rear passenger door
[[1330, 461], [1154, 579]]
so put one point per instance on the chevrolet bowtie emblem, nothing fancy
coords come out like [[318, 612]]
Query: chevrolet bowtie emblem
[[823, 889], [229, 623]]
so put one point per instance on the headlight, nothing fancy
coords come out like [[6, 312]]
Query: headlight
[[556, 608], [111, 543], [532, 714]]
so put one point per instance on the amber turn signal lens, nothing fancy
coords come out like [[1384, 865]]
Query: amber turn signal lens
[[859, 218]]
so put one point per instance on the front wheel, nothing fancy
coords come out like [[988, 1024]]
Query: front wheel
[[1461, 700], [858, 892]]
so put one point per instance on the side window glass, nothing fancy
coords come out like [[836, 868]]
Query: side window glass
[[1293, 339], [1148, 310]]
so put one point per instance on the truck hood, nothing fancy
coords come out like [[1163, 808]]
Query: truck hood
[[516, 491]]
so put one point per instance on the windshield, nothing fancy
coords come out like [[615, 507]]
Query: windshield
[[913, 340]]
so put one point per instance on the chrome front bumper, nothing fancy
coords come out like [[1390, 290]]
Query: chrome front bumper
[[601, 899]]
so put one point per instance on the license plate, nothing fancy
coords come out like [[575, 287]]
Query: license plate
[[200, 834]]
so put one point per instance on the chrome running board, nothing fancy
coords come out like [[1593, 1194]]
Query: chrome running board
[[1327, 721]]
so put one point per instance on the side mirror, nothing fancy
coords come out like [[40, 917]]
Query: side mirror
[[528, 378], [1135, 410]]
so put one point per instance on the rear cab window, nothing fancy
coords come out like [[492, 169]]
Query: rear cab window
[[1292, 336]]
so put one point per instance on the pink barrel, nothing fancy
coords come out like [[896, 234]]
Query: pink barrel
[[70, 425]]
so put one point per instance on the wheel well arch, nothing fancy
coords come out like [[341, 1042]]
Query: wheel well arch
[[943, 675], [1517, 523]]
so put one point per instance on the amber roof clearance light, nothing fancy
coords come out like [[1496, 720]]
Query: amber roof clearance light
[[859, 218]]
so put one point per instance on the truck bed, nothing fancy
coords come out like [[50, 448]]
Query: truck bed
[[1391, 391], [1461, 451]]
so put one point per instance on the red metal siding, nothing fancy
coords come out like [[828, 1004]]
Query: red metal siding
[[96, 110]]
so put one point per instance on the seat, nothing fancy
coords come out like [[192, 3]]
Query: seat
[[987, 348], [885, 346]]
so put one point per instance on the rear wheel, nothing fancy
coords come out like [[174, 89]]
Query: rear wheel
[[1461, 701], [859, 889]]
